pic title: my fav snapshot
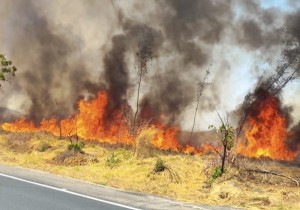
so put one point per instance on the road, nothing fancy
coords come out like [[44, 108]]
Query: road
[[18, 194], [22, 189]]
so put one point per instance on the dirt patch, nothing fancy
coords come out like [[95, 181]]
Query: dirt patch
[[71, 158]]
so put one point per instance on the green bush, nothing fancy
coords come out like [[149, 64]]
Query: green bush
[[112, 161], [217, 173], [159, 165], [76, 146]]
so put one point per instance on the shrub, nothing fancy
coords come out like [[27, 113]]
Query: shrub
[[159, 165], [217, 173], [76, 146], [112, 161]]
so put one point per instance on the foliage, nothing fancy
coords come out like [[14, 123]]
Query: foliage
[[217, 173], [112, 161], [76, 146], [227, 134], [7, 71], [159, 165]]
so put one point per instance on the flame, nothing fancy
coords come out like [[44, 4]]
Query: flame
[[89, 123], [266, 133], [204, 149]]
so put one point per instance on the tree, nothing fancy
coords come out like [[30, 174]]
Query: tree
[[144, 55], [226, 132], [200, 88], [287, 70], [7, 71], [59, 119]]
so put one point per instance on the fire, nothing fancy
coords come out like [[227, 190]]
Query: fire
[[89, 123], [266, 129], [266, 132], [204, 149]]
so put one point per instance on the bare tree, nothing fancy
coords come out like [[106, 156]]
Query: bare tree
[[59, 119], [286, 71], [144, 55], [200, 88], [128, 116]]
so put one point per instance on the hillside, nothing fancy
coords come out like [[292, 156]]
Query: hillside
[[185, 178]]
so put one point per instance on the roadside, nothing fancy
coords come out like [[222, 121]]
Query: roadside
[[137, 200], [186, 178]]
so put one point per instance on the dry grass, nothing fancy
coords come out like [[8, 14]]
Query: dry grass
[[234, 188]]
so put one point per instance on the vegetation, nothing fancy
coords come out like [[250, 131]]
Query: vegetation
[[237, 187], [159, 165], [200, 88], [217, 173], [143, 147], [226, 133], [7, 70], [76, 146], [43, 147], [144, 55], [112, 161]]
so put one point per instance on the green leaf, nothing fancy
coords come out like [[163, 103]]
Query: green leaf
[[2, 77]]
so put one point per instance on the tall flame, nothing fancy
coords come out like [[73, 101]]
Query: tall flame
[[266, 132], [89, 123]]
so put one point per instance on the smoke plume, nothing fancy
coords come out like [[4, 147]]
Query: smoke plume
[[69, 51]]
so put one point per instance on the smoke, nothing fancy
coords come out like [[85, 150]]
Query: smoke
[[116, 72], [171, 97], [293, 25], [294, 138], [259, 28], [68, 51], [51, 73]]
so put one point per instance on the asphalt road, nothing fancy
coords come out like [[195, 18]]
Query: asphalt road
[[21, 195], [26, 189]]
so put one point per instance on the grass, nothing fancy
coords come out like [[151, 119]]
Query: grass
[[132, 174]]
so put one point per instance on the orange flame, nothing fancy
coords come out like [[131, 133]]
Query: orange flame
[[266, 133], [265, 137], [89, 124]]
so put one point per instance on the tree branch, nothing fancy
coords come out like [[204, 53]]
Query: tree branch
[[216, 150], [273, 173]]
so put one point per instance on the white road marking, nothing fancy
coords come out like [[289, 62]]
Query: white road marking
[[69, 192]]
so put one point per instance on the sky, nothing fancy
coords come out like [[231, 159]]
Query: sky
[[65, 50]]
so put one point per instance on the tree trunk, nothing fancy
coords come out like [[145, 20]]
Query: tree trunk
[[194, 121], [223, 158], [137, 102], [60, 134]]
